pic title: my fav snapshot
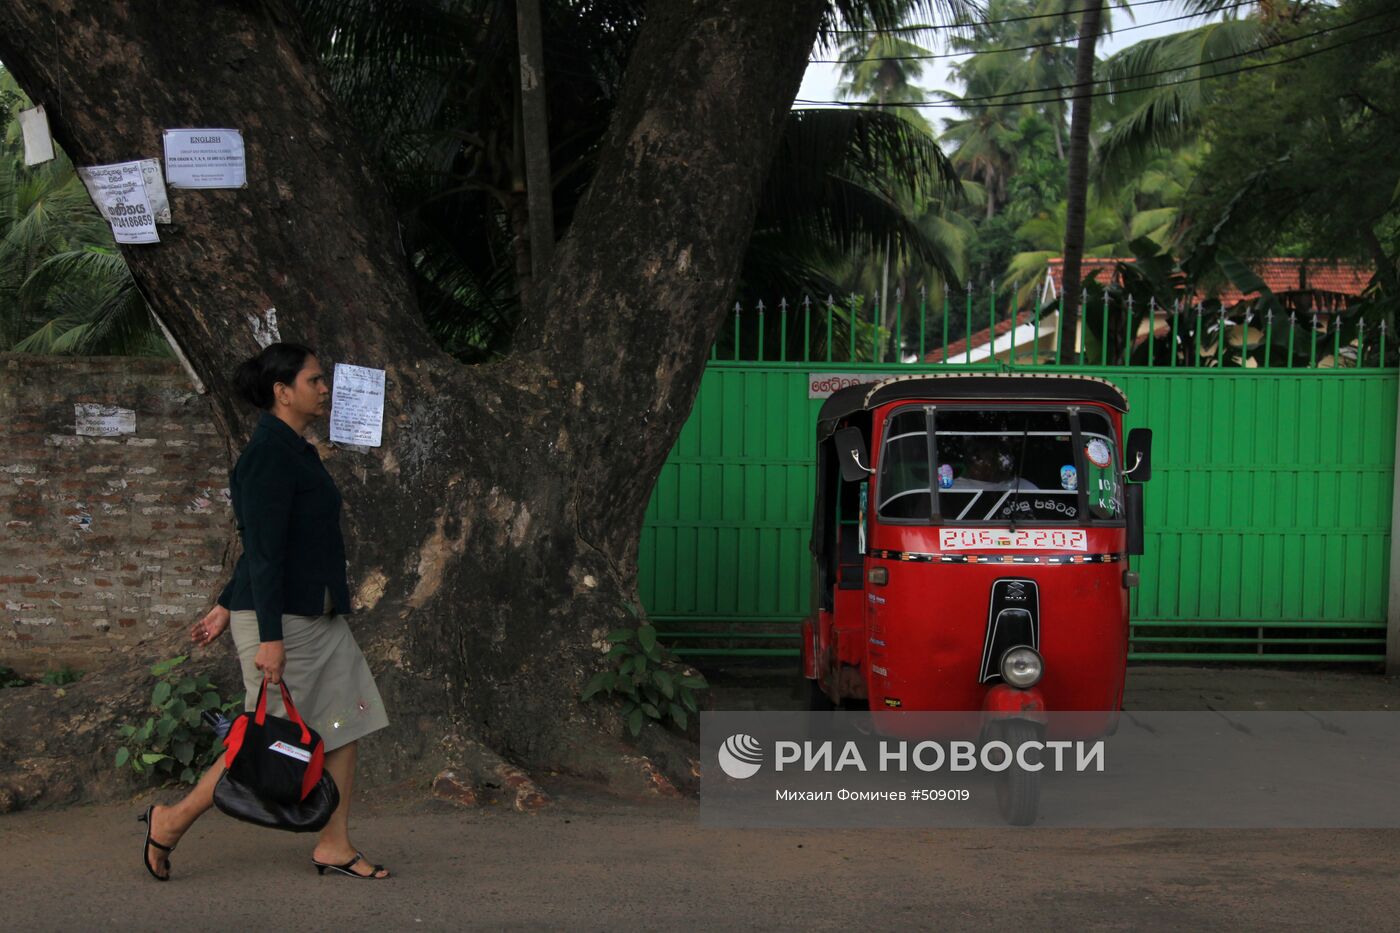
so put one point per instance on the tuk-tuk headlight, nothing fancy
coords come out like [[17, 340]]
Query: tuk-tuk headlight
[[1022, 667]]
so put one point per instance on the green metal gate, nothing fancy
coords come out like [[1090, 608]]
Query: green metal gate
[[1268, 515]]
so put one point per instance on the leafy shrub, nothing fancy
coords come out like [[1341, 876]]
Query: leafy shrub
[[173, 743], [60, 678], [653, 683], [8, 678]]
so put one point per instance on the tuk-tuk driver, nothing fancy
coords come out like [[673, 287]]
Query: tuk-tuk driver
[[989, 465]]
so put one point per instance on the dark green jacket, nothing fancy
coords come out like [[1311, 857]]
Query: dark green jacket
[[288, 512]]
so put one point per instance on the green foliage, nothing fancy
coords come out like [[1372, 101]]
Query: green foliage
[[64, 287], [8, 678], [653, 685], [172, 743], [1300, 158], [61, 677]]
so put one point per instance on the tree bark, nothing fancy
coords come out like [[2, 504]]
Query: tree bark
[[535, 122], [493, 536], [1077, 192]]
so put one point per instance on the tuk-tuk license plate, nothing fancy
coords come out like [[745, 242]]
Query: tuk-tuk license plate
[[993, 539]]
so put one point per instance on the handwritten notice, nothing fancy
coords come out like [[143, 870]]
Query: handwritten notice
[[119, 191], [103, 420], [38, 144], [205, 159], [357, 405]]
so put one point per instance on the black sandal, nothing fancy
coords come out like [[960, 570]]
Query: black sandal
[[146, 849], [346, 869]]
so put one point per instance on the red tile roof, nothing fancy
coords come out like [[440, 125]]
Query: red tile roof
[[1280, 275], [959, 348]]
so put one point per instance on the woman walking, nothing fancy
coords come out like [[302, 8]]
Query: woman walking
[[287, 602]]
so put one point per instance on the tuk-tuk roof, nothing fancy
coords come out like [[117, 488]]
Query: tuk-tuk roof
[[963, 386]]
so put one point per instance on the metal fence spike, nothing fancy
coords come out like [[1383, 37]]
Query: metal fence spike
[[898, 293], [782, 305], [923, 291], [807, 302], [736, 309], [760, 306]]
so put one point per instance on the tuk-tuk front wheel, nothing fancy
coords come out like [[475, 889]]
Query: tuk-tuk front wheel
[[1018, 790]]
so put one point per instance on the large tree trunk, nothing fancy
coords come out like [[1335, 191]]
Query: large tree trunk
[[493, 536], [1077, 193]]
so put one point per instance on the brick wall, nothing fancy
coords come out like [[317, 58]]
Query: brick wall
[[108, 541]]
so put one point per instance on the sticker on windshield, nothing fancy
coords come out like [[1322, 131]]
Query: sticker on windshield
[[1098, 452], [996, 539], [945, 476], [1069, 478]]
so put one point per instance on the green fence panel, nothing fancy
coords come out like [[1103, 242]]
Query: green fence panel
[[1268, 515]]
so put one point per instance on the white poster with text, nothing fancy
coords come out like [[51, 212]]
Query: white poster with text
[[205, 159], [119, 191], [357, 405]]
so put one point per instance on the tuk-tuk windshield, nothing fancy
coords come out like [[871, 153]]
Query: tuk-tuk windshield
[[993, 465]]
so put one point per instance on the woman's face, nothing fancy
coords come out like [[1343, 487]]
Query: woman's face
[[309, 395]]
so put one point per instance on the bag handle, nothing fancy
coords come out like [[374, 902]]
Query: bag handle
[[292, 713]]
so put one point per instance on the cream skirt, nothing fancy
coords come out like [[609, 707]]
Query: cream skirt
[[327, 675]]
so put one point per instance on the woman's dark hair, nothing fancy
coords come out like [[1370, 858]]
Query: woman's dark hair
[[278, 362]]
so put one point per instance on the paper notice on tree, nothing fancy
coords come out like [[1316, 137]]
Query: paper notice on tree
[[205, 159], [155, 190], [357, 405], [103, 420], [119, 191], [38, 144]]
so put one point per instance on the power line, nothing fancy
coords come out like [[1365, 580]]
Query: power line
[[1072, 40], [932, 27], [962, 102]]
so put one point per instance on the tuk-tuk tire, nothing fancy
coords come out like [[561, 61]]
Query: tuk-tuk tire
[[1018, 791], [817, 700]]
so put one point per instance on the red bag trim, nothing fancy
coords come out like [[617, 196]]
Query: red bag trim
[[234, 741], [312, 776]]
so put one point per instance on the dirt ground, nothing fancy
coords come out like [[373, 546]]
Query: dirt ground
[[593, 863]]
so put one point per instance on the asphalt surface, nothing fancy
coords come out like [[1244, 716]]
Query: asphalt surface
[[594, 863]]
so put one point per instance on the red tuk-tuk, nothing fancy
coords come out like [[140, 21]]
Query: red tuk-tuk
[[970, 534]]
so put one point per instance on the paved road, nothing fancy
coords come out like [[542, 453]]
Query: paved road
[[592, 863], [597, 865]]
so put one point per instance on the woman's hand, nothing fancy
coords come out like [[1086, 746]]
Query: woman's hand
[[210, 627], [271, 659]]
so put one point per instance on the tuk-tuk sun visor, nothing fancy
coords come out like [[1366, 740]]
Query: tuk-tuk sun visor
[[969, 387]]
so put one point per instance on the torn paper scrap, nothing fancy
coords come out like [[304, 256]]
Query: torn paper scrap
[[205, 159], [265, 327], [92, 420], [357, 405], [38, 144], [119, 191]]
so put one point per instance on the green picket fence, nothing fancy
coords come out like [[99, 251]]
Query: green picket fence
[[1268, 515]]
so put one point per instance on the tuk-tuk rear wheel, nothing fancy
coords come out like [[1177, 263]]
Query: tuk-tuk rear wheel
[[1018, 790]]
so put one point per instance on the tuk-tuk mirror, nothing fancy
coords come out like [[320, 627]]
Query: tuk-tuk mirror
[[1138, 463], [850, 451], [1132, 502]]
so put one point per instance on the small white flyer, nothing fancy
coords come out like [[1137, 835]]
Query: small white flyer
[[357, 405], [92, 420], [155, 190], [38, 144], [205, 159], [119, 191]]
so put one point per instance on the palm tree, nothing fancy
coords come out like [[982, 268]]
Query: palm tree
[[64, 287]]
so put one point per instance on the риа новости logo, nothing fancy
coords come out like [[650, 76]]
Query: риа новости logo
[[741, 756]]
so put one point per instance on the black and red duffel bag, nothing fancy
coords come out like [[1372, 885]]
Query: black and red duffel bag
[[274, 770]]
